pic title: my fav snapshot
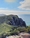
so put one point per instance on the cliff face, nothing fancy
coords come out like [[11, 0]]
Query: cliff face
[[16, 21], [12, 20]]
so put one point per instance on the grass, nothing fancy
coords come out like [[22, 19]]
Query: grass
[[9, 29], [5, 28]]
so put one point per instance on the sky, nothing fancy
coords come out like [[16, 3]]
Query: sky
[[15, 7]]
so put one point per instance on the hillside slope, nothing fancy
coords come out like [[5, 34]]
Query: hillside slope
[[4, 28], [12, 20]]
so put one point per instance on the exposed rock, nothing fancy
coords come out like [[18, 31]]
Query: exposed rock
[[17, 21], [21, 35], [12, 20]]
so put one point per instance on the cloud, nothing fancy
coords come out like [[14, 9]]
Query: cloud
[[8, 12], [25, 5], [10, 1]]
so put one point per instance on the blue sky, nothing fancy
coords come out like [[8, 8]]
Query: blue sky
[[16, 7], [10, 5]]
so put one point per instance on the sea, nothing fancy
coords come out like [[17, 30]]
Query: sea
[[26, 18]]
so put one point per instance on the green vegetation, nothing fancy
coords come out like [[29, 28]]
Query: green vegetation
[[10, 30], [12, 25], [4, 28]]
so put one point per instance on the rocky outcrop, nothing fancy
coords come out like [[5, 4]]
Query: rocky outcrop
[[12, 20], [21, 35], [17, 21]]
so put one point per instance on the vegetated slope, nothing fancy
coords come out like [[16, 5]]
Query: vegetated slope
[[8, 22], [11, 30], [4, 28]]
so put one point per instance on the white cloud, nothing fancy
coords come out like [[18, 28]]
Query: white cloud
[[8, 12], [10, 1], [25, 5]]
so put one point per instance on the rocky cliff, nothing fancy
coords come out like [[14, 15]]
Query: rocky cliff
[[12, 20], [16, 21]]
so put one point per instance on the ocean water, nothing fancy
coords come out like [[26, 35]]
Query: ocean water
[[26, 18]]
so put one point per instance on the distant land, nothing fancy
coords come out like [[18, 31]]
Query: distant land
[[2, 14]]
